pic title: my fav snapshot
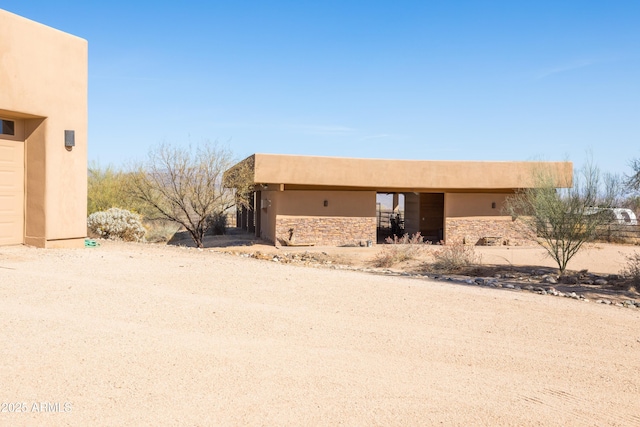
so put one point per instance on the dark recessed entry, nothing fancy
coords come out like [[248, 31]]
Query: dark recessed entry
[[7, 127]]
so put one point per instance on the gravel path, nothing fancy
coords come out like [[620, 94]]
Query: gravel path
[[133, 334]]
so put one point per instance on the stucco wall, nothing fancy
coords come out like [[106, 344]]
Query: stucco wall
[[403, 175], [474, 204], [43, 80], [349, 217]]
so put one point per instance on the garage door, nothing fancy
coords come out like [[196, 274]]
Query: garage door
[[11, 192]]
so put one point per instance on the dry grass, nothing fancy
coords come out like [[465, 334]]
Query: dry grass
[[455, 257], [401, 249], [160, 230], [631, 271]]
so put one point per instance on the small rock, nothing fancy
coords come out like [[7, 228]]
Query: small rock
[[600, 282], [572, 280], [509, 286], [542, 292], [549, 279]]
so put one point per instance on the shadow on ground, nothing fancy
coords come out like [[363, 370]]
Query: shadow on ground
[[233, 237], [580, 282]]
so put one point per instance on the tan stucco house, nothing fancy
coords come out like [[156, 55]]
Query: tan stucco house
[[43, 135], [332, 200]]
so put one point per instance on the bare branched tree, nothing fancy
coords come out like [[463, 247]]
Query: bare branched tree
[[633, 180], [564, 219], [184, 185]]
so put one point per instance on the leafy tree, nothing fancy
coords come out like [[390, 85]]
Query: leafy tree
[[240, 179], [106, 189], [184, 185], [564, 219]]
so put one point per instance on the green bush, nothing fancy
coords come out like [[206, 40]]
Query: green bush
[[109, 188], [117, 224], [216, 224]]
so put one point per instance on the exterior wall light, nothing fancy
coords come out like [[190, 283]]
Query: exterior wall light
[[493, 205], [326, 203], [69, 138]]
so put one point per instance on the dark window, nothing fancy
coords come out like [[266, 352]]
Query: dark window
[[7, 127]]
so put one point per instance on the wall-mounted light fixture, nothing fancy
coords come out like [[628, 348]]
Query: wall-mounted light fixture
[[326, 203], [69, 138], [493, 205]]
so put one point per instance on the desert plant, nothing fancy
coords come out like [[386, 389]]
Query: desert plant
[[566, 218], [107, 188], [104, 189], [633, 180], [454, 257], [184, 185], [216, 223], [399, 249], [240, 179], [116, 224], [632, 269]]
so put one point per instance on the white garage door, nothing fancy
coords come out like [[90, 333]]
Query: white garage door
[[11, 192]]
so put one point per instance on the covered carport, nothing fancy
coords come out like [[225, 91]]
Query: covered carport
[[332, 200]]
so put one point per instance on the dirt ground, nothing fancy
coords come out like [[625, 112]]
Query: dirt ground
[[141, 334]]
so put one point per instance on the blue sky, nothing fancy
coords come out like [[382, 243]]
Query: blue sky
[[443, 80]]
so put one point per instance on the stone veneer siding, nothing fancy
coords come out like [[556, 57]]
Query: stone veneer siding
[[326, 231], [472, 231]]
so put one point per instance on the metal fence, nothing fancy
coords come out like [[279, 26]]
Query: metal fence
[[386, 218], [618, 233]]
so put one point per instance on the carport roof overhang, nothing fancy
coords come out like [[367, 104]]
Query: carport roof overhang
[[292, 172]]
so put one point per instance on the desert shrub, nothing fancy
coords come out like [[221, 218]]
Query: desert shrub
[[216, 223], [399, 249], [108, 187], [632, 269], [116, 224], [454, 257]]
